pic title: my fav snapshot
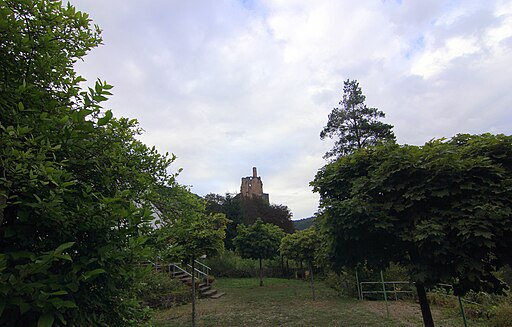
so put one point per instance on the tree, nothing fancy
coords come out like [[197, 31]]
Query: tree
[[187, 232], [185, 228], [230, 206], [442, 210], [246, 210], [279, 215], [258, 241], [302, 246], [76, 185], [354, 125]]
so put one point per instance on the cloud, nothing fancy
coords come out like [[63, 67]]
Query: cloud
[[227, 85]]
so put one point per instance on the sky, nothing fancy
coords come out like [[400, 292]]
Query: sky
[[226, 85]]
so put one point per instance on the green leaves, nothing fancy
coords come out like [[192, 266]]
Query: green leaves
[[46, 320], [301, 245], [443, 210], [64, 245], [354, 125], [105, 119], [258, 241], [88, 274]]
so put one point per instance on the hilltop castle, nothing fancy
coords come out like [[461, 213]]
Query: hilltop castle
[[252, 186]]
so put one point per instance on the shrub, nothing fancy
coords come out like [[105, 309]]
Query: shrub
[[231, 265], [442, 297], [159, 290], [344, 283], [502, 316]]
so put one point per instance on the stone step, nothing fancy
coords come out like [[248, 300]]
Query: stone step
[[208, 293], [180, 274], [204, 288], [218, 295]]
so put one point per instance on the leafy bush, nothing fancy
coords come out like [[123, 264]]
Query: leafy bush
[[442, 297], [502, 316], [344, 283], [231, 265], [76, 186], [159, 290]]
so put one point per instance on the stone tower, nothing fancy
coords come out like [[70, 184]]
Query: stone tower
[[252, 186]]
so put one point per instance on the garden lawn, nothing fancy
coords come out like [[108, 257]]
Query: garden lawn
[[283, 302]]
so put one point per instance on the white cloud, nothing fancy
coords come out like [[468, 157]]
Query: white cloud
[[227, 85], [437, 60]]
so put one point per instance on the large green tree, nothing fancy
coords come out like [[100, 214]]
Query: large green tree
[[442, 210], [258, 241], [353, 125], [76, 186], [240, 210], [230, 206]]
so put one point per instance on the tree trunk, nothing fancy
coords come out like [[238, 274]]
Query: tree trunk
[[193, 293], [261, 275], [3, 202], [287, 269], [311, 278], [425, 307]]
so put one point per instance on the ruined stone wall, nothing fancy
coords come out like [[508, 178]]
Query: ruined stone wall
[[253, 186]]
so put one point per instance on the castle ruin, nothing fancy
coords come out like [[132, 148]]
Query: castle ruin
[[252, 186]]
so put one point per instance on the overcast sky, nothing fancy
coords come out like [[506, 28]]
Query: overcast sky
[[228, 85]]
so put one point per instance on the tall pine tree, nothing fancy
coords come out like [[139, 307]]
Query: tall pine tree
[[353, 125]]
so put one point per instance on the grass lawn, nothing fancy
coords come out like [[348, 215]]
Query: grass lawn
[[282, 302]]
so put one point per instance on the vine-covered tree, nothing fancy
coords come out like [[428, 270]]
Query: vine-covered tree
[[354, 125], [442, 210], [302, 246], [258, 241]]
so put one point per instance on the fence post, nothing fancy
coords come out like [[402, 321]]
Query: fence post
[[384, 290], [462, 312], [359, 292]]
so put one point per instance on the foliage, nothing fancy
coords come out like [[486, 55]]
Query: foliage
[[76, 185], [258, 241], [276, 214], [241, 210], [343, 282], [442, 210], [159, 290], [301, 245], [230, 206], [185, 228], [231, 265], [502, 316], [354, 125], [305, 223], [477, 305]]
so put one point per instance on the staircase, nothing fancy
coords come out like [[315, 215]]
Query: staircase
[[202, 278]]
